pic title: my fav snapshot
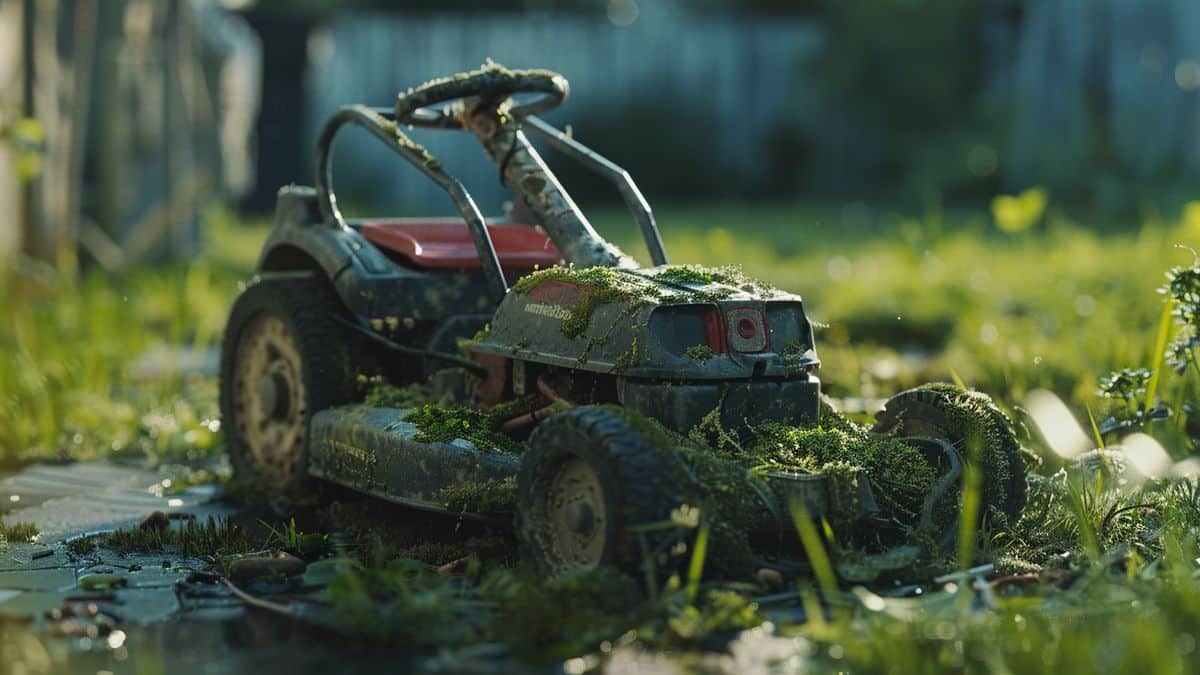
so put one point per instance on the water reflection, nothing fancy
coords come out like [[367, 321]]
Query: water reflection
[[250, 643]]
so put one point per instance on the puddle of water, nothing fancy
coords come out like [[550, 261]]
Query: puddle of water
[[252, 643]]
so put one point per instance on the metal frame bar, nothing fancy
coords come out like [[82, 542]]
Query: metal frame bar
[[611, 172], [381, 124]]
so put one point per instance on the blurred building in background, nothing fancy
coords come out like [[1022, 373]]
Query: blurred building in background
[[144, 113], [150, 108]]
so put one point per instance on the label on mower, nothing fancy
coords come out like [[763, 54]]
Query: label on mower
[[553, 298], [553, 311]]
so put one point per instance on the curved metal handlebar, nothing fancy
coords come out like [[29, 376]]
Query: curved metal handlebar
[[380, 126], [492, 84], [611, 172]]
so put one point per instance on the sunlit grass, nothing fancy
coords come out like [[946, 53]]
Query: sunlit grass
[[1050, 309], [91, 363], [901, 304]]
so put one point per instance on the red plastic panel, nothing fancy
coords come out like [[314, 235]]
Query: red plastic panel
[[447, 244]]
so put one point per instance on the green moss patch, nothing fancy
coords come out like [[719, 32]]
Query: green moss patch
[[701, 353], [439, 424], [698, 275], [604, 285], [386, 395], [493, 497]]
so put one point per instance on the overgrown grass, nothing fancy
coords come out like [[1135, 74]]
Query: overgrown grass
[[94, 363], [1111, 573]]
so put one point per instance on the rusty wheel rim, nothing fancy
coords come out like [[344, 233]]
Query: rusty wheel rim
[[269, 396], [576, 516]]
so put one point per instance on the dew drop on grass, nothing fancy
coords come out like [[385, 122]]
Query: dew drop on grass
[[1085, 305], [839, 268]]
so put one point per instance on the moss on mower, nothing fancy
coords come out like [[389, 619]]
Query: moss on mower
[[733, 499], [386, 395], [604, 285], [900, 474], [727, 479], [492, 497], [439, 424], [982, 434], [698, 275], [514, 407], [686, 274], [629, 358]]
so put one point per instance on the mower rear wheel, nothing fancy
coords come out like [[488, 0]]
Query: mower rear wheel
[[585, 484], [283, 359], [939, 413]]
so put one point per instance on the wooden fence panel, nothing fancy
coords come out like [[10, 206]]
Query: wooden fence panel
[[741, 73]]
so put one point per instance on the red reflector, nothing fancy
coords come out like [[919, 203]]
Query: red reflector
[[714, 333], [745, 328]]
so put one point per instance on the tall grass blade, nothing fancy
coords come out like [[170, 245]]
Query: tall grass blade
[[696, 564], [1095, 429], [957, 379], [1160, 351], [1087, 530], [814, 548], [969, 515]]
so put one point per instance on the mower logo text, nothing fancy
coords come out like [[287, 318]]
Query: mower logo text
[[553, 311]]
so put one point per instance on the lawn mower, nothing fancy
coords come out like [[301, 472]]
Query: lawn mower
[[540, 376]]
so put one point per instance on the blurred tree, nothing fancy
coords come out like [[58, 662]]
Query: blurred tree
[[907, 75], [901, 96]]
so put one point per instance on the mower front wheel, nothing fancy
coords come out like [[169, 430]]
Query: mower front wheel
[[586, 485]]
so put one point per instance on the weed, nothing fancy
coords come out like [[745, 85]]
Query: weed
[[18, 532], [213, 538], [81, 546]]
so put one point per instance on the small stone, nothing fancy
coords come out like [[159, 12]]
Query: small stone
[[768, 579], [97, 582], [251, 568], [156, 521], [455, 567]]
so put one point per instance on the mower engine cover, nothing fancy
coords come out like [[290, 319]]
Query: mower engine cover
[[682, 340]]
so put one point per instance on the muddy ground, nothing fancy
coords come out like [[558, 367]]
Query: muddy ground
[[158, 616]]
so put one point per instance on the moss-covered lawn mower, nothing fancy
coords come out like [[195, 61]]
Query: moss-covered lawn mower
[[534, 372]]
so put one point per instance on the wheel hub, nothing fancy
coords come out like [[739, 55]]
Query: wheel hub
[[576, 515], [274, 394], [269, 395]]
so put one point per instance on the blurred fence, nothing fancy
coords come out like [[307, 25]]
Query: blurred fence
[[146, 108], [1105, 85], [688, 101]]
